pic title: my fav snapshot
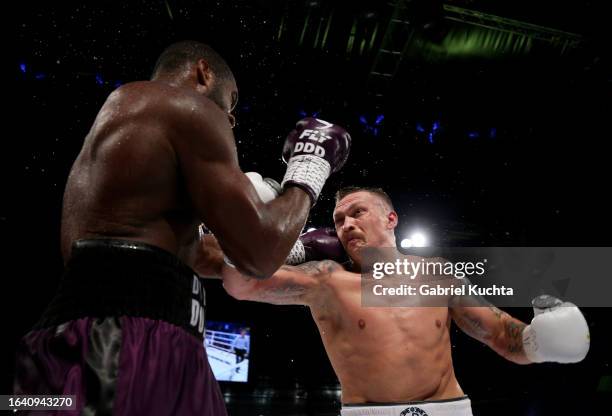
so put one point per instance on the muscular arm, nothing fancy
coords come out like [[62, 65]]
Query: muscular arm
[[490, 325], [290, 285], [227, 202]]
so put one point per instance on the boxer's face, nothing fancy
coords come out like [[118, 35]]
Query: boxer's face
[[362, 220]]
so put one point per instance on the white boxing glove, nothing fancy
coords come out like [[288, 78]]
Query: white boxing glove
[[558, 332], [267, 189]]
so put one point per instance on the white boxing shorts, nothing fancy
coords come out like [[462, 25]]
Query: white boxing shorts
[[460, 406]]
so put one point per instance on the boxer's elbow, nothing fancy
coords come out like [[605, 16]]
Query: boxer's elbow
[[265, 249], [236, 291], [256, 271], [253, 262], [257, 263], [263, 258], [237, 285]]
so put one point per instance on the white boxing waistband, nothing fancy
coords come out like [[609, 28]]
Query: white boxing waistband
[[451, 407]]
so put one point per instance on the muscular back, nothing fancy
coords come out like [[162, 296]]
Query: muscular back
[[390, 354], [125, 182]]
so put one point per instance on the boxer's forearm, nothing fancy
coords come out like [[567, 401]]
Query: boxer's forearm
[[275, 228], [236, 284], [290, 285], [493, 327], [509, 341], [207, 257], [255, 236]]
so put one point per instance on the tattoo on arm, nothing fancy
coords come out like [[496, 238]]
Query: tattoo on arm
[[514, 335], [308, 268], [495, 328], [290, 289], [285, 293], [472, 326], [498, 313], [315, 267]]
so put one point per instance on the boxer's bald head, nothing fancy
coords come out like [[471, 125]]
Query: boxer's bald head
[[195, 63], [175, 57]]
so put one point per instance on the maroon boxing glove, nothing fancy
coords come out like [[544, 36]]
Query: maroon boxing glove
[[312, 151], [320, 244]]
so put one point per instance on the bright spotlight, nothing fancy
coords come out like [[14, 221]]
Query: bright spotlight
[[418, 239], [415, 239]]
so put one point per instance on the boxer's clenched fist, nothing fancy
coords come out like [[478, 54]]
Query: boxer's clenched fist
[[558, 332], [266, 188], [319, 244], [312, 151]]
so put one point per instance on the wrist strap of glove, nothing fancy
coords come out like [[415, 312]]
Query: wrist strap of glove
[[530, 345], [309, 172], [297, 255]]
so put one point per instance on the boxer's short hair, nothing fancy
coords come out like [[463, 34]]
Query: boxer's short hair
[[178, 54], [343, 192]]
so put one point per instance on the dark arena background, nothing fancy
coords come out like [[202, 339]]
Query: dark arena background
[[488, 123]]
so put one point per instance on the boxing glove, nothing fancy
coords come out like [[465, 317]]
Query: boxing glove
[[320, 244], [266, 188], [558, 332], [313, 151]]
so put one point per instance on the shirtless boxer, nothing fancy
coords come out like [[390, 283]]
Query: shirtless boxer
[[397, 360], [124, 333]]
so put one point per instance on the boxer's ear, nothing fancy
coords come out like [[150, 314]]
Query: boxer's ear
[[391, 220], [204, 76]]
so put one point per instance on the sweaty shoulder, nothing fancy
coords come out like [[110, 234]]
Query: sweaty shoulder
[[198, 123], [195, 125], [163, 101]]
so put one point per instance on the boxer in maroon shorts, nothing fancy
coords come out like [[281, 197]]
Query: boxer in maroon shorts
[[124, 332]]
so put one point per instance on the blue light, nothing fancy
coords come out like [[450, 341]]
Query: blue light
[[473, 134], [40, 75], [379, 119], [435, 126], [363, 120], [117, 84], [302, 113], [420, 128], [493, 132], [430, 137], [23, 68], [99, 80], [315, 114]]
